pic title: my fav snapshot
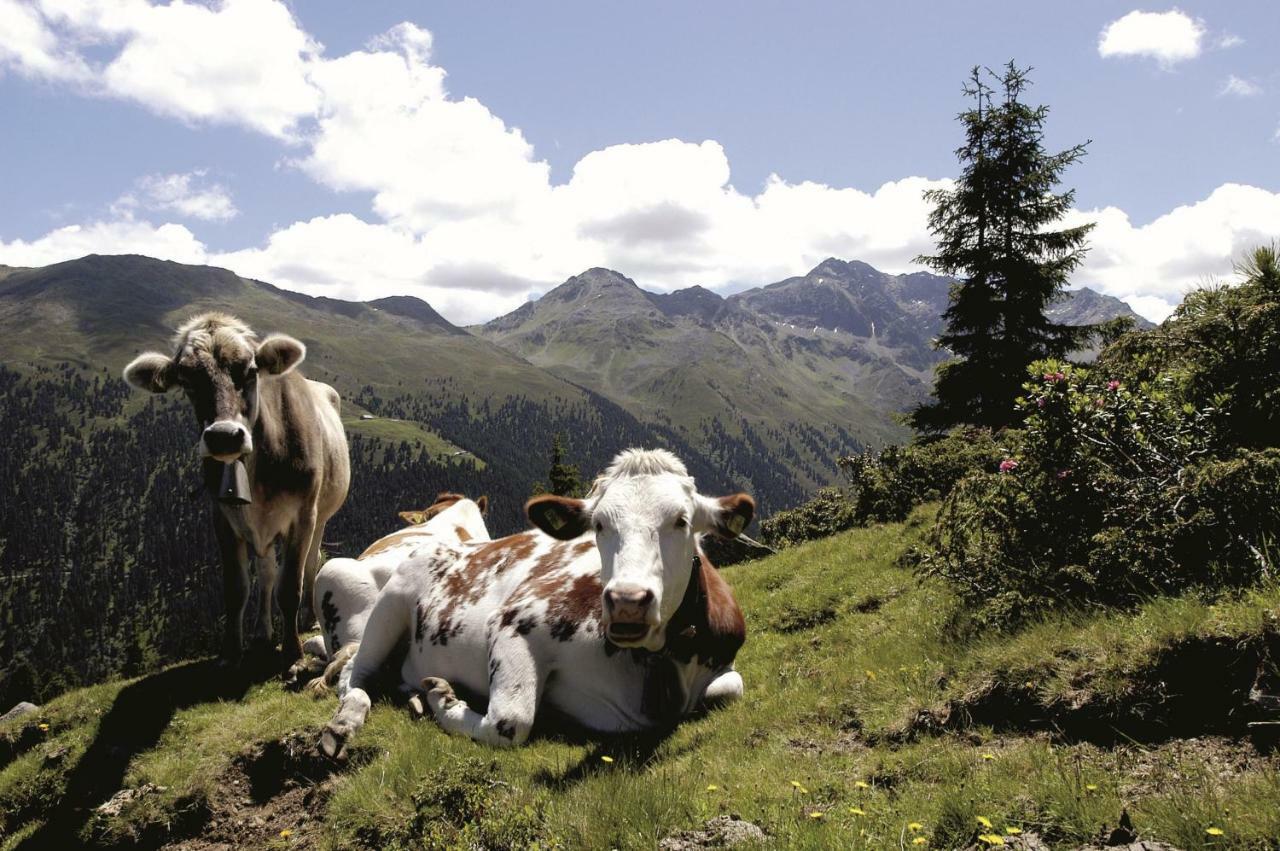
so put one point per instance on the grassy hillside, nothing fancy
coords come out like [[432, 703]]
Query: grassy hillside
[[872, 719]]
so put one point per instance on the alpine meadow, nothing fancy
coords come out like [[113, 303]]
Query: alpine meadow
[[418, 436]]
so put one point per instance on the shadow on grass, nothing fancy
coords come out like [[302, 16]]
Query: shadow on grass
[[630, 752], [134, 724]]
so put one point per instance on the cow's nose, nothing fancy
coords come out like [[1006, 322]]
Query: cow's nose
[[224, 438], [628, 603]]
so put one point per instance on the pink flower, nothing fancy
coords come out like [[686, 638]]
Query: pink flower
[[1008, 465], [1113, 385], [1040, 402], [1062, 474], [1054, 377]]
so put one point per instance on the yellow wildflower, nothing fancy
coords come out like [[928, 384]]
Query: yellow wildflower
[[919, 840], [984, 821], [1214, 831], [606, 759], [914, 826], [286, 833], [862, 784], [857, 811], [44, 728], [712, 787], [1091, 787], [992, 838], [799, 787], [871, 675], [815, 814], [1013, 831], [988, 756]]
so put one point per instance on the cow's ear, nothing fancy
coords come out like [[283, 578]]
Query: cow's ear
[[483, 504], [280, 353], [151, 371], [558, 516], [726, 516], [414, 518]]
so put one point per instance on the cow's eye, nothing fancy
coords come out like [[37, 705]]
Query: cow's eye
[[599, 526], [681, 522]]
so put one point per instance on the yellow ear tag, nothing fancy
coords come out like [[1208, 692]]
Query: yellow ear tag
[[736, 524]]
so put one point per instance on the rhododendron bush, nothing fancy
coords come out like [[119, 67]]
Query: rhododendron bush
[[1155, 470]]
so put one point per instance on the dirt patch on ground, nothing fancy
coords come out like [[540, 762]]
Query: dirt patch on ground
[[273, 791], [1195, 763]]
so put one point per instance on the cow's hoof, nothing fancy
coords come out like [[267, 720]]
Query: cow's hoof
[[439, 693], [333, 743], [318, 688], [417, 706]]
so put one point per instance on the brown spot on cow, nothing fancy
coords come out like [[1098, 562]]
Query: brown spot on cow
[[462, 533], [709, 623]]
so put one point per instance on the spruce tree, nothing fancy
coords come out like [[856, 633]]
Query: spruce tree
[[994, 234], [563, 479]]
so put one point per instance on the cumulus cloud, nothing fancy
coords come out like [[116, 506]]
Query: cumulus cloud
[[1240, 87], [1168, 37], [238, 62], [464, 214], [183, 194], [167, 241], [1153, 266]]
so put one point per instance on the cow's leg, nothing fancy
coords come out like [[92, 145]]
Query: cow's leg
[[388, 624], [725, 688], [264, 634], [235, 586], [297, 551], [309, 611], [323, 684], [515, 685]]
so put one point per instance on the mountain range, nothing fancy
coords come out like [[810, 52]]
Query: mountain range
[[765, 387]]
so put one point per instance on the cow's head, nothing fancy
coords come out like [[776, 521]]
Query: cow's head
[[646, 516], [217, 365], [444, 500]]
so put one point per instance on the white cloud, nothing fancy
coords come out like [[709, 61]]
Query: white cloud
[[168, 242], [465, 215], [1240, 87], [1228, 41], [236, 62], [182, 194], [1161, 261], [1168, 37]]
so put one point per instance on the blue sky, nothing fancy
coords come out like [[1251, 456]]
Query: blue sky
[[485, 151]]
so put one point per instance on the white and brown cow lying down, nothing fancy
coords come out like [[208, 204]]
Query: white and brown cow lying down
[[612, 617], [346, 588]]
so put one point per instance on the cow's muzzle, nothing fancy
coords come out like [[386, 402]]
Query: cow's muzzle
[[629, 615], [226, 440]]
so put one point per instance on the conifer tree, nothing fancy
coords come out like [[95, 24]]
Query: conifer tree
[[994, 233], [562, 479]]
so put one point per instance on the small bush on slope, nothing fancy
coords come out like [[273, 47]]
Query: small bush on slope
[[885, 486]]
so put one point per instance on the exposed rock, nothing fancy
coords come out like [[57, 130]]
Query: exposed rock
[[22, 710], [719, 832], [120, 799]]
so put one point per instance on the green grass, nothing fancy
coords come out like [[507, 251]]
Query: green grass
[[846, 652], [404, 431]]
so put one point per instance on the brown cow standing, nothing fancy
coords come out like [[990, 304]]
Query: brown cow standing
[[254, 407]]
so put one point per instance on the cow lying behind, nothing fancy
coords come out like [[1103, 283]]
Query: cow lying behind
[[347, 587], [613, 616]]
